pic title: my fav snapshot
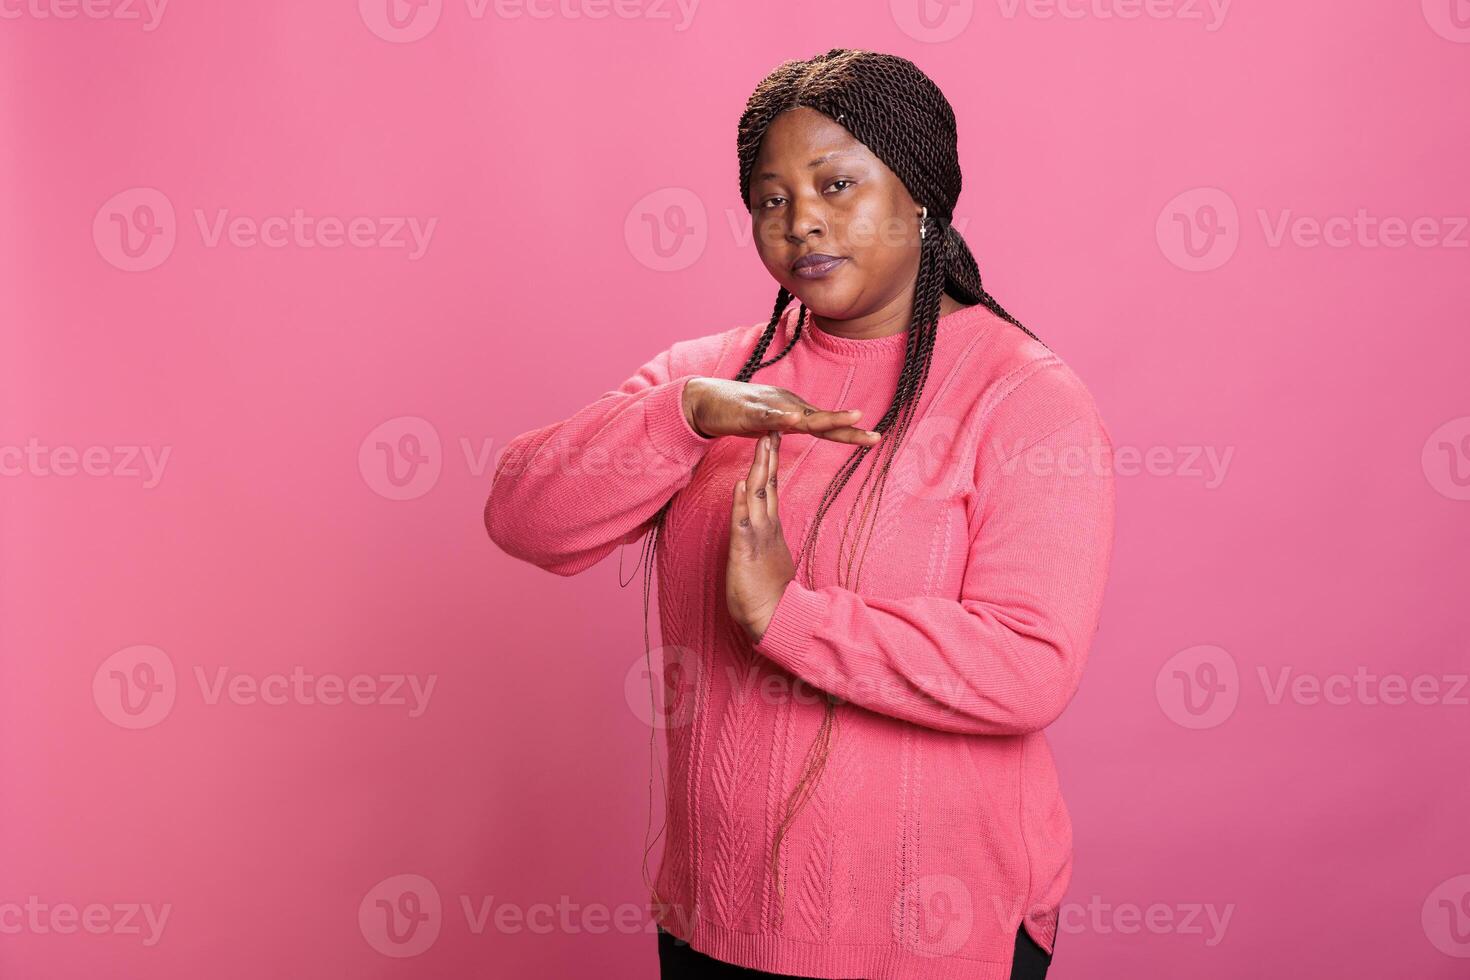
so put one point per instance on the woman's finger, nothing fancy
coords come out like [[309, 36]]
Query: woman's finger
[[773, 508], [837, 426], [769, 419], [755, 482], [739, 512], [848, 434]]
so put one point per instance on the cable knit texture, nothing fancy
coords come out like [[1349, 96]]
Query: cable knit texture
[[938, 827]]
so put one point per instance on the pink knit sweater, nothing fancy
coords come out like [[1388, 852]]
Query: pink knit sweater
[[938, 826]]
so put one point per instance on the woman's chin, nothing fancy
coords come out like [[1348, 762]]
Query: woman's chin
[[823, 301]]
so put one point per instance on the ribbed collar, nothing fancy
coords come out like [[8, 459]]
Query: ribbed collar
[[847, 348]]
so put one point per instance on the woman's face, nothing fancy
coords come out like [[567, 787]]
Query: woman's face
[[816, 190]]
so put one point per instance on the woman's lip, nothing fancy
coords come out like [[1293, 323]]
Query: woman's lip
[[818, 271]]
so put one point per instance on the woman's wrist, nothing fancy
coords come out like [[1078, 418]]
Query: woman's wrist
[[690, 393]]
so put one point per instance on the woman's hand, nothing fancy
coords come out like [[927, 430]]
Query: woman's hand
[[759, 565], [717, 407]]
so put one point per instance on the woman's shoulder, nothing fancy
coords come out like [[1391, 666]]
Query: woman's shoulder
[[1021, 385], [717, 354]]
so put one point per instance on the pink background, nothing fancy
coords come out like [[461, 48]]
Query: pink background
[[1103, 158]]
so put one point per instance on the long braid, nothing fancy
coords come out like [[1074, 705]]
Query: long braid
[[895, 110]]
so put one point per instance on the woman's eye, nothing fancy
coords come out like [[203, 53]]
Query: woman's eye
[[777, 201]]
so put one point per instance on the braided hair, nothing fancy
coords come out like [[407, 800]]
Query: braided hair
[[898, 113]]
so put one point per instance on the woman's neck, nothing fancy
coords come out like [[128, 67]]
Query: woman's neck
[[871, 328]]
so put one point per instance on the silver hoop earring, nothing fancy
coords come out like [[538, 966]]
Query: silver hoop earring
[[923, 220]]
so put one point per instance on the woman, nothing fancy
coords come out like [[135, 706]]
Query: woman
[[860, 784]]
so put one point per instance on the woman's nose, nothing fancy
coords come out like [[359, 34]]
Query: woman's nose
[[807, 218]]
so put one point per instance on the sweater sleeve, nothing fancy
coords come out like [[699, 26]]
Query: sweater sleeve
[[565, 495], [1007, 656]]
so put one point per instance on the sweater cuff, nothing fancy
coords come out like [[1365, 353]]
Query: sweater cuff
[[668, 429], [799, 613]]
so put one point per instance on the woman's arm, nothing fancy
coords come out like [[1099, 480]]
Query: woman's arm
[[1005, 658], [565, 495]]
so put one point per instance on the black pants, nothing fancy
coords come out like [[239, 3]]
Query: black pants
[[678, 960]]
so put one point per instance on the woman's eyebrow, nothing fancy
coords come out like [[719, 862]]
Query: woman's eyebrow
[[814, 163]]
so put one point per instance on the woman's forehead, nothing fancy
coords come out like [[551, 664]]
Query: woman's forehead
[[812, 134]]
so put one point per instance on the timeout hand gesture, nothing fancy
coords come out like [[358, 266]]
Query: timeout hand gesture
[[759, 564], [719, 407]]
